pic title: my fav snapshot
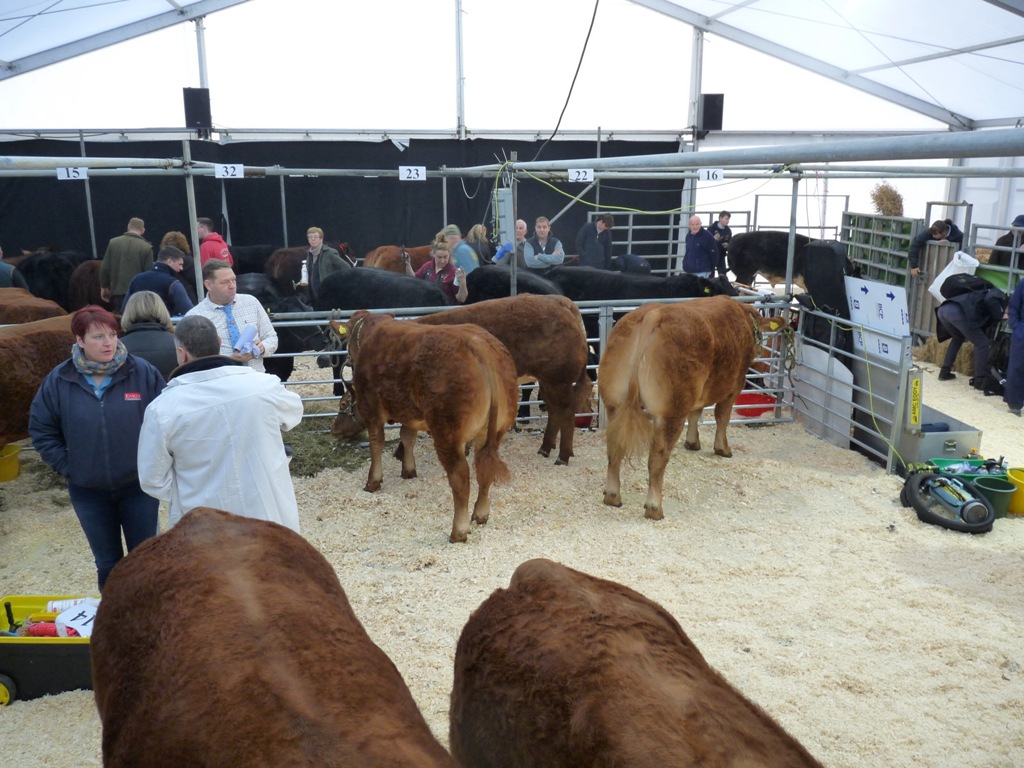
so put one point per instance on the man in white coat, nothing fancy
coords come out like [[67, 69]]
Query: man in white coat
[[212, 438]]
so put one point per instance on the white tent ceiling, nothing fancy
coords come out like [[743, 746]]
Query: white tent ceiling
[[960, 62]]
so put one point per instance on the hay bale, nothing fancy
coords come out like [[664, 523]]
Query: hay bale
[[932, 351]]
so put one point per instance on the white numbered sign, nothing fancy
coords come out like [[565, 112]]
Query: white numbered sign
[[72, 174], [581, 174], [412, 172], [228, 171], [711, 174]]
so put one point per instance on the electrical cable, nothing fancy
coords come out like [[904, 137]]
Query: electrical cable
[[572, 85]]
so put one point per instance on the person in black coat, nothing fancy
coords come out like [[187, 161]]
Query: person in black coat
[[148, 332], [594, 242], [944, 231], [970, 316], [163, 280]]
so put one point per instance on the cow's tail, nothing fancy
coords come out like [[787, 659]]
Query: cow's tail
[[486, 461], [630, 430]]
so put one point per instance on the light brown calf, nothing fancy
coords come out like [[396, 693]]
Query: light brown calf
[[663, 364]]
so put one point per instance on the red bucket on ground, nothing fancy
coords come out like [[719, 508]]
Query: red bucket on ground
[[750, 405]]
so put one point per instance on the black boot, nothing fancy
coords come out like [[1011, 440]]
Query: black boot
[[946, 375]]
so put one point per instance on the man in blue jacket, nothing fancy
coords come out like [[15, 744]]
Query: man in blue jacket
[[701, 250], [163, 280]]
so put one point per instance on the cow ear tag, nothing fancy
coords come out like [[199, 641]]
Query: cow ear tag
[[341, 330], [773, 325]]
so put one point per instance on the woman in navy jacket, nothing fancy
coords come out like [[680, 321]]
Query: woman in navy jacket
[[85, 421]]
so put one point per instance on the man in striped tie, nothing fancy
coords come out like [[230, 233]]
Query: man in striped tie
[[231, 312]]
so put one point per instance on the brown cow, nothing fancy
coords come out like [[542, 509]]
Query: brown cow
[[663, 364], [457, 382], [84, 287], [19, 306], [545, 336], [389, 257], [28, 352], [284, 266], [230, 641], [563, 669]]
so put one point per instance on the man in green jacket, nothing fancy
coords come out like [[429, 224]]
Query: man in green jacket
[[321, 261], [127, 255]]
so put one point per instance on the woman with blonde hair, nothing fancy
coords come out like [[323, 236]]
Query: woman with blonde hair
[[477, 239], [148, 332], [443, 272]]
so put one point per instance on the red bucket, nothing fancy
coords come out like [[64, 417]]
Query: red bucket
[[750, 405]]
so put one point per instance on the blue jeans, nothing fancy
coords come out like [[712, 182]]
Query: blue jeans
[[104, 514]]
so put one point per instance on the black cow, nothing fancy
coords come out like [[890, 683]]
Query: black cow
[[49, 274], [250, 258], [290, 339], [592, 284], [376, 289], [766, 252], [494, 282]]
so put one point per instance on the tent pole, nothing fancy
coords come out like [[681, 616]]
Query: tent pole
[[190, 194], [201, 50]]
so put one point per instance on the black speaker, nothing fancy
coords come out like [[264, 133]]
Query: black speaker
[[711, 111], [197, 108]]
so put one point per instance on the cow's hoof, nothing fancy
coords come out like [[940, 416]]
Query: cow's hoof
[[691, 446], [560, 462], [372, 487], [723, 454], [612, 499], [653, 513], [545, 452], [408, 475], [457, 538]]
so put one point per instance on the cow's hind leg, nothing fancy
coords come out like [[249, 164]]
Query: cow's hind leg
[[452, 456], [692, 441], [408, 445], [723, 411], [666, 435], [616, 452]]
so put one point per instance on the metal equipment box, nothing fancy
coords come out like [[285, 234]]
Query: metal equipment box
[[918, 444]]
